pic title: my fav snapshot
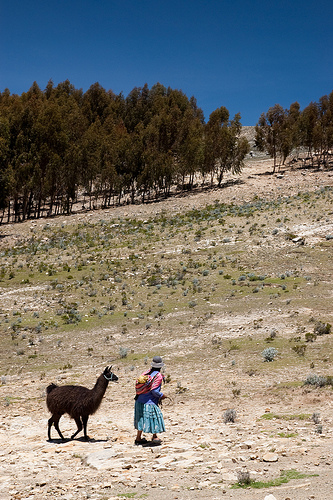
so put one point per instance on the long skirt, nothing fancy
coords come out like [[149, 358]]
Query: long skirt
[[148, 418]]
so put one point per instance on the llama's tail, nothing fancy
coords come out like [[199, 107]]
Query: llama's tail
[[50, 388]]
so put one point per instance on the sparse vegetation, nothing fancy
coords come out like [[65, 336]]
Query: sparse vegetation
[[271, 416], [108, 283], [284, 478]]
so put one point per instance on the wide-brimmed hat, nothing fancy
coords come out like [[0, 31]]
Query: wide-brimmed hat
[[157, 362]]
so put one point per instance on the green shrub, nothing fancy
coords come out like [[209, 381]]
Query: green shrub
[[322, 328], [316, 380], [310, 337], [299, 349], [269, 353], [123, 352]]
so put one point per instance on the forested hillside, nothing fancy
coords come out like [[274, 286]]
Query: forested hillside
[[60, 141], [62, 145]]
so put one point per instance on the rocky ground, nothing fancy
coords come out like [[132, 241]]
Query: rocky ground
[[201, 456]]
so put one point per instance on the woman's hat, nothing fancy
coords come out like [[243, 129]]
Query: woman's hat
[[157, 362]]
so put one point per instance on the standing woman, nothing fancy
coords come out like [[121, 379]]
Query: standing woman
[[148, 417]]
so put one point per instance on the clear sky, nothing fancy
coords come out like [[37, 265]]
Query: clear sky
[[244, 55]]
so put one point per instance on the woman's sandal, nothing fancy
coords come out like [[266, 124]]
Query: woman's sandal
[[139, 442]]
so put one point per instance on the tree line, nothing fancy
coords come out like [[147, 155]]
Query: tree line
[[61, 144], [280, 132]]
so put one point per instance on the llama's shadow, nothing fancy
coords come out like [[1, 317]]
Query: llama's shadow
[[81, 439], [59, 440]]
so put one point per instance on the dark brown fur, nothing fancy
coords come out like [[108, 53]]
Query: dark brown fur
[[79, 402]]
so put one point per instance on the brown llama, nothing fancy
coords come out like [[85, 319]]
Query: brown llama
[[79, 402]]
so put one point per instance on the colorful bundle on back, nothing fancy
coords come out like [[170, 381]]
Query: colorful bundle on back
[[145, 383]]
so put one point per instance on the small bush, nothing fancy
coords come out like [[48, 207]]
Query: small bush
[[229, 416], [300, 349], [316, 417], [317, 380], [236, 392], [216, 340], [243, 477], [272, 336], [322, 328], [273, 333], [123, 352], [269, 353], [310, 337], [180, 389]]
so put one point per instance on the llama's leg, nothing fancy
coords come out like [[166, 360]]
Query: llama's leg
[[79, 427], [85, 421], [50, 422], [56, 425]]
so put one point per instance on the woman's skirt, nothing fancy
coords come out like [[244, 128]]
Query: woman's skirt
[[148, 418]]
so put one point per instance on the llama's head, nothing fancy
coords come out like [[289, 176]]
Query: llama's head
[[109, 375]]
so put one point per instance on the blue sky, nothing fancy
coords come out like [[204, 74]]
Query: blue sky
[[246, 56]]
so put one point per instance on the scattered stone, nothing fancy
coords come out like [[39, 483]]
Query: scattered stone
[[246, 445], [270, 457], [270, 497]]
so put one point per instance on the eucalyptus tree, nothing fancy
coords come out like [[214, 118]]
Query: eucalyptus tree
[[4, 159], [23, 151], [326, 127], [190, 148], [138, 108], [269, 132], [96, 103], [74, 127], [225, 148], [310, 128], [293, 138], [91, 145]]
